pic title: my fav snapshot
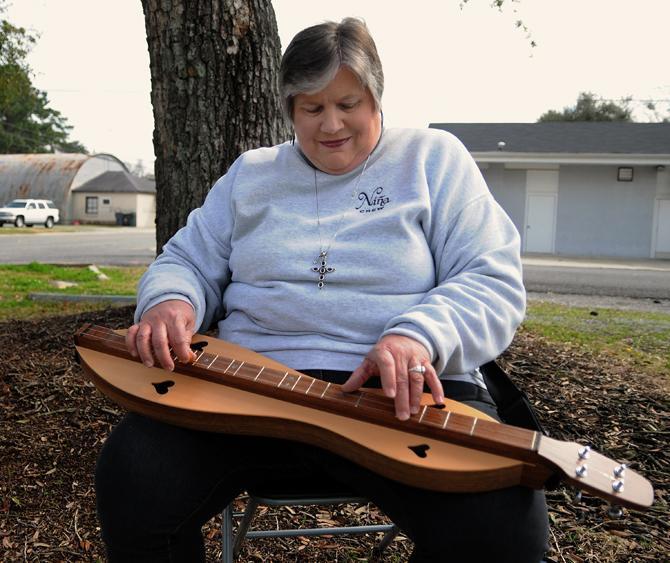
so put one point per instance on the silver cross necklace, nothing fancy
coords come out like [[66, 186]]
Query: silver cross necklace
[[321, 266]]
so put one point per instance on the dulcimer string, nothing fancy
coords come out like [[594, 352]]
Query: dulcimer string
[[372, 400]]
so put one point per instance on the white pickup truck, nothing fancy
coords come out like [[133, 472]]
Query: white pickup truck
[[22, 212]]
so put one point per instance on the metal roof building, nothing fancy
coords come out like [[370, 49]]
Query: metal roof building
[[51, 176]]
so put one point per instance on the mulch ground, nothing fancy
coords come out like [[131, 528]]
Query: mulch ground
[[52, 424]]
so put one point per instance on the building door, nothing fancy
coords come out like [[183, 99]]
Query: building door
[[540, 223], [663, 228]]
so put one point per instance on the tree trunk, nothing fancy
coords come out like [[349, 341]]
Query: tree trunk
[[214, 69]]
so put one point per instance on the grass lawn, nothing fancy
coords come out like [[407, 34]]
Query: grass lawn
[[17, 282], [640, 337]]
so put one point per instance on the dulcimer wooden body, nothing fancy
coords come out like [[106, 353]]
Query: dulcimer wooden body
[[456, 448]]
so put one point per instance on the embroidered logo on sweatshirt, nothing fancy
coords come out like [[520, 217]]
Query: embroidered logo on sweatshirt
[[375, 201]]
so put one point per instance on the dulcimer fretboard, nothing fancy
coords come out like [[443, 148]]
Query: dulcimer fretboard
[[432, 421]]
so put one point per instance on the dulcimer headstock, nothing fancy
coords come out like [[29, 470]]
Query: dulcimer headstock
[[595, 473]]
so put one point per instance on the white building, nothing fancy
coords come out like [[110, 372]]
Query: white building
[[115, 197], [578, 188]]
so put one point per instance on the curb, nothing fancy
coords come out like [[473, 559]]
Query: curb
[[657, 265], [120, 299]]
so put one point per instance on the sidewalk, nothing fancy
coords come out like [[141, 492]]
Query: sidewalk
[[10, 230], [550, 260]]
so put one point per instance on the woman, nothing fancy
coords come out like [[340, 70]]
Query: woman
[[354, 254]]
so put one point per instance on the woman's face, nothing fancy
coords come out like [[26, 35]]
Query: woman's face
[[337, 127]]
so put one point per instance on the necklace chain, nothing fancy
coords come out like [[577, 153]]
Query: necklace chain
[[321, 260]]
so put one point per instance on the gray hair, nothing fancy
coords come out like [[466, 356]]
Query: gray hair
[[316, 54]]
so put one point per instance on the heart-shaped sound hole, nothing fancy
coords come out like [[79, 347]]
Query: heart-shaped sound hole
[[420, 450], [198, 346], [163, 386]]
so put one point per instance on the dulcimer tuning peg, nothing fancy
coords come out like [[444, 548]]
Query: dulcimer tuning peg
[[615, 511]]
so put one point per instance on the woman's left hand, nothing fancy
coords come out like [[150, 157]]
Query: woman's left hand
[[392, 359]]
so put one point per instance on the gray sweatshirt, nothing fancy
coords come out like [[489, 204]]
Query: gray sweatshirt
[[420, 249]]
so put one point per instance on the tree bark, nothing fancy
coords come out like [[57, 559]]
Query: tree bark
[[214, 70]]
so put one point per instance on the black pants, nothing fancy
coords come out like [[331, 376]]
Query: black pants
[[158, 484]]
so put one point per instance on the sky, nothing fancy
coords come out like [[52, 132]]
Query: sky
[[442, 63]]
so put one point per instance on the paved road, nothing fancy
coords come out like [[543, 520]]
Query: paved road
[[101, 246], [637, 279], [128, 245]]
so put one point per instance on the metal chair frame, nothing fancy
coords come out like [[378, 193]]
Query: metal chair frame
[[231, 545]]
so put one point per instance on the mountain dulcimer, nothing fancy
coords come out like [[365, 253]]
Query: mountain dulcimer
[[450, 447]]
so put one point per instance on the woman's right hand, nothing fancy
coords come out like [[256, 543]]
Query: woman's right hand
[[165, 327]]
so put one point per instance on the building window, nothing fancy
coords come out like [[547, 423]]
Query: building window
[[91, 205], [106, 201], [625, 174]]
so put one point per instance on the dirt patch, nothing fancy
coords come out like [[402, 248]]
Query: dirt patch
[[53, 422]]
